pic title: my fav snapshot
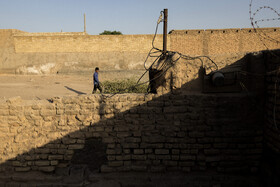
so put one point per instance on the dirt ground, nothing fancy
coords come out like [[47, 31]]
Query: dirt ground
[[40, 87]]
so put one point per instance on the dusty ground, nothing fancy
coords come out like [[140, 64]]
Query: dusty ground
[[40, 87]]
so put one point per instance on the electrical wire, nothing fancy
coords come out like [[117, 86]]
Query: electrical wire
[[167, 62]]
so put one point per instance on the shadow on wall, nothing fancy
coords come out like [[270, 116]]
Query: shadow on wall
[[220, 132]]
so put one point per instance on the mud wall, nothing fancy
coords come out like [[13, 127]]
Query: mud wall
[[139, 132], [271, 161], [43, 53], [223, 41]]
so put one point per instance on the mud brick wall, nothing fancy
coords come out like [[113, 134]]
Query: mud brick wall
[[271, 160], [50, 53], [222, 41], [137, 132], [272, 128]]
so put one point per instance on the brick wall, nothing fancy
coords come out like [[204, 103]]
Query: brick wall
[[223, 41], [139, 132], [125, 51], [84, 43], [271, 158], [272, 131]]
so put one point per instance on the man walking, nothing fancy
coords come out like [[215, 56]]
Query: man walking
[[96, 81]]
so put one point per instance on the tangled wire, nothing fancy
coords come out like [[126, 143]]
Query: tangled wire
[[255, 23], [166, 61]]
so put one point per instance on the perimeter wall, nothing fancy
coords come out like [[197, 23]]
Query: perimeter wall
[[40, 53]]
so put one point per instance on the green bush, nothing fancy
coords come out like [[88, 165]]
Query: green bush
[[110, 33], [124, 86]]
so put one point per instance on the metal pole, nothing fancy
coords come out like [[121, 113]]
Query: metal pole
[[165, 12], [85, 30]]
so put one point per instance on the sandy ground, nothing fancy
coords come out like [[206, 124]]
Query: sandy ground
[[43, 87], [40, 87]]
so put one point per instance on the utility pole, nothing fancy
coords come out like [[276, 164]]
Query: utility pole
[[85, 30], [165, 12]]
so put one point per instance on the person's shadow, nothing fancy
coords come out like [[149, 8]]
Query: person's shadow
[[76, 91]]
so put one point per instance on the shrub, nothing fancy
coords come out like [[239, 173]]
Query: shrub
[[110, 33], [123, 86]]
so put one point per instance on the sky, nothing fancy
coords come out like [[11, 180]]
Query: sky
[[129, 16]]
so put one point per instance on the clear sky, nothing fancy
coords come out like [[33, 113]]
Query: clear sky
[[128, 16]]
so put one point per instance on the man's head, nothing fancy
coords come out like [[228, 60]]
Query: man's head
[[97, 69]]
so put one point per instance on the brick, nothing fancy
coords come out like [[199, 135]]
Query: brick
[[123, 157], [181, 134], [98, 129], [54, 162], [70, 152], [77, 135], [113, 151], [22, 169], [132, 140], [124, 134], [187, 157], [47, 112], [126, 151], [42, 163], [115, 163], [109, 140], [127, 163], [186, 164], [220, 145], [137, 133], [154, 139], [148, 145], [175, 151], [175, 157], [163, 157], [43, 156], [148, 151], [213, 158], [138, 151], [76, 146], [196, 134], [47, 168], [170, 163], [19, 164], [138, 157], [4, 112], [176, 109], [158, 168], [211, 151], [55, 157], [130, 145], [62, 151], [139, 168], [42, 150], [161, 151], [111, 157]]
